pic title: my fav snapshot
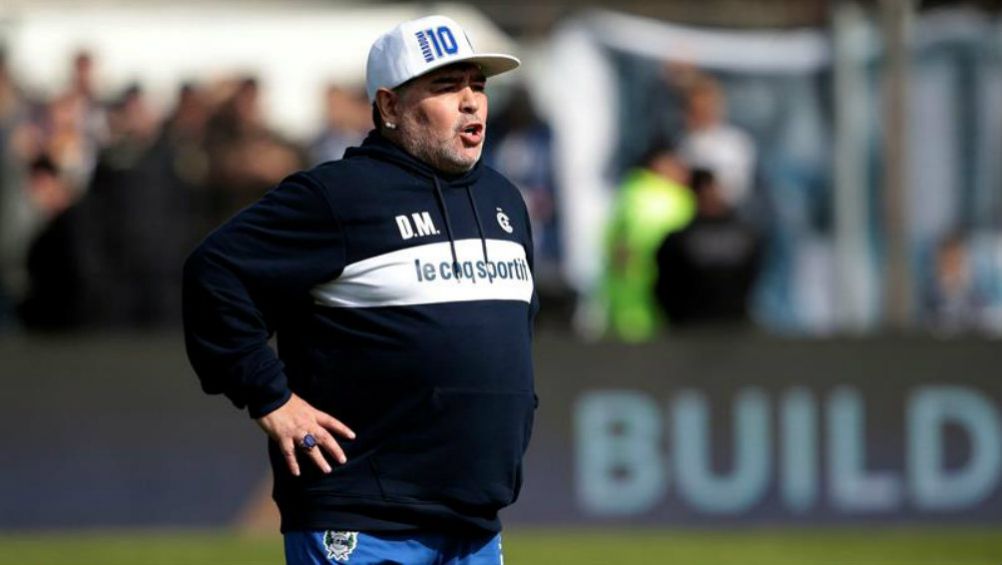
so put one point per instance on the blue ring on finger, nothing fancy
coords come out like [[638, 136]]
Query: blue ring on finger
[[309, 442]]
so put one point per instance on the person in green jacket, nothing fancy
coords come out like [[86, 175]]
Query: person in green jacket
[[653, 201]]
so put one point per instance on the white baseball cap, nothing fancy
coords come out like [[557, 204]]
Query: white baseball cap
[[419, 46]]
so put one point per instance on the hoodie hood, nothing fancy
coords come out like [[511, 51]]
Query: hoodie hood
[[378, 147]]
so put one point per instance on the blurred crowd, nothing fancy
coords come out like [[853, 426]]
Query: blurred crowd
[[700, 239], [102, 198], [678, 250]]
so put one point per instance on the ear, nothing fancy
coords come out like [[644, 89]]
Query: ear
[[388, 103]]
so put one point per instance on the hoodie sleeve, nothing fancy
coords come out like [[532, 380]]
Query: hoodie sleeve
[[239, 280]]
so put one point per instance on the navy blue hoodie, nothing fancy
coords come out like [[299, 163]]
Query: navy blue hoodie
[[402, 303]]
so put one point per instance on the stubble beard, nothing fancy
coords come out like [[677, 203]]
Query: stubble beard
[[440, 154]]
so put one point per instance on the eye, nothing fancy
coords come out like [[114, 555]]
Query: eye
[[447, 86]]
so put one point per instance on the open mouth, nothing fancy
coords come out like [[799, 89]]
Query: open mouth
[[472, 133]]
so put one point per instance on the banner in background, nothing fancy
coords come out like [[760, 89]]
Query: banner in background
[[714, 430], [721, 431]]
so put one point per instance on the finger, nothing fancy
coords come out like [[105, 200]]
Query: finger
[[289, 452], [317, 456], [335, 425], [330, 445]]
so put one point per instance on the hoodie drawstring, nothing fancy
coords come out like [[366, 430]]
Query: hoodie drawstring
[[448, 224], [480, 226], [448, 227]]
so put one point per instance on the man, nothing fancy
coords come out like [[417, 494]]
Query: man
[[652, 201], [398, 281], [953, 302], [707, 270], [715, 144], [346, 121]]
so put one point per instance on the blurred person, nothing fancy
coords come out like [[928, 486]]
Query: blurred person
[[47, 190], [653, 201], [123, 224], [34, 187], [12, 101], [706, 270], [52, 298], [346, 117], [398, 282], [131, 122], [83, 87], [181, 162], [186, 128], [521, 150], [175, 202], [245, 156], [64, 138], [79, 127], [190, 115], [713, 144], [55, 130], [953, 303], [82, 79], [13, 114]]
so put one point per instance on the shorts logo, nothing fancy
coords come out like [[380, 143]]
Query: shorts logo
[[504, 222], [340, 544]]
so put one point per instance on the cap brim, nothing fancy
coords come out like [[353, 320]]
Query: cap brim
[[492, 64]]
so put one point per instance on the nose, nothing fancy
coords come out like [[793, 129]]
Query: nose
[[469, 102]]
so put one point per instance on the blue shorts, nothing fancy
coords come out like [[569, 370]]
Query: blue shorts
[[360, 548]]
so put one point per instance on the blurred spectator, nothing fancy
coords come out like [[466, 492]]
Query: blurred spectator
[[65, 138], [713, 144], [347, 118], [245, 157], [13, 202], [521, 148], [187, 122], [953, 302], [707, 269], [11, 98], [120, 222], [79, 126], [180, 166], [131, 122], [175, 203], [48, 191], [52, 299], [652, 202], [82, 80], [82, 87]]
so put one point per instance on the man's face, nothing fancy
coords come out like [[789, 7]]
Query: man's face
[[442, 117]]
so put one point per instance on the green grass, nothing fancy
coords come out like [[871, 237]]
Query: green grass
[[879, 546]]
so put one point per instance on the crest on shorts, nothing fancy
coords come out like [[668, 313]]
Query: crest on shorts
[[340, 544]]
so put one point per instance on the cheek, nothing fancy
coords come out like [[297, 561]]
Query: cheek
[[435, 118]]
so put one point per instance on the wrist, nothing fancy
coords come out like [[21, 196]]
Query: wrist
[[266, 405]]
